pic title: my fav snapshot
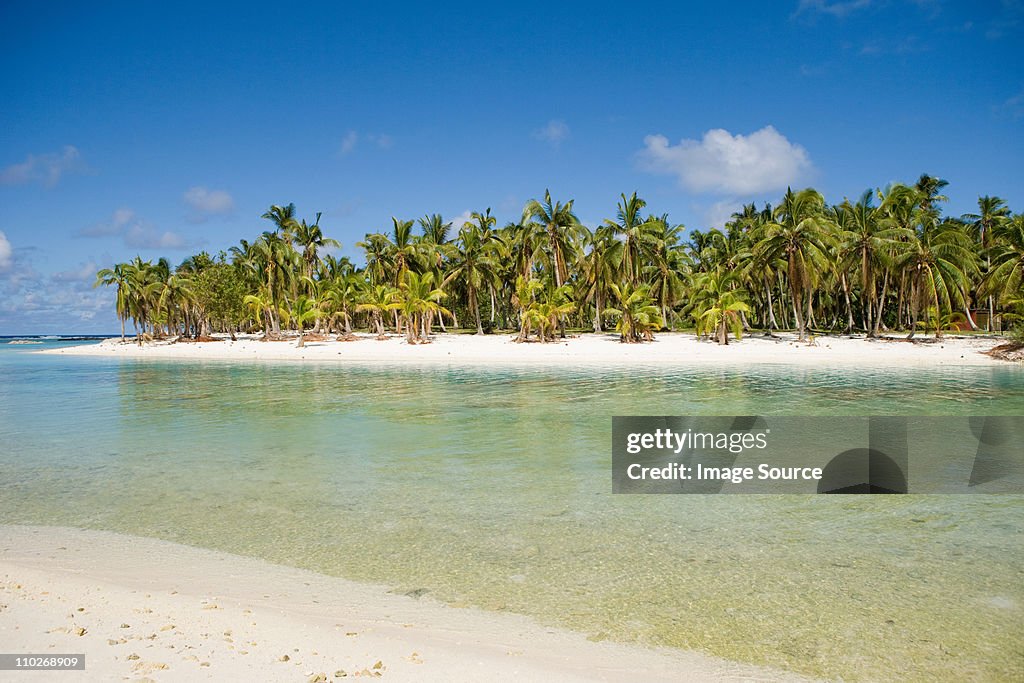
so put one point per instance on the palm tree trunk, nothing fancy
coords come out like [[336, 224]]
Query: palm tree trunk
[[880, 309], [797, 305], [475, 305], [913, 311], [967, 312], [849, 306], [772, 324], [899, 303]]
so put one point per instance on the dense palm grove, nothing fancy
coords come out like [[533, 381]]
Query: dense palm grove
[[889, 261]]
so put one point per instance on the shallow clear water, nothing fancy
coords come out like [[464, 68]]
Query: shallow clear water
[[492, 488]]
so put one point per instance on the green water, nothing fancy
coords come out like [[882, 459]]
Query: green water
[[492, 488]]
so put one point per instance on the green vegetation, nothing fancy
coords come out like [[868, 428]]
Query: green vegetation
[[888, 261]]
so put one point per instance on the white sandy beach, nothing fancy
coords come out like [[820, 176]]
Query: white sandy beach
[[148, 610], [588, 349]]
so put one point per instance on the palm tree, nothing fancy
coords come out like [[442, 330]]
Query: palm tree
[[636, 232], [341, 296], [561, 226], [600, 266], [260, 306], [928, 188], [992, 211], [668, 266], [419, 300], [379, 259], [799, 236], [272, 255], [311, 239], [405, 252], [638, 316], [719, 305], [118, 276], [283, 218], [867, 244], [523, 298], [377, 300], [544, 313], [1004, 280], [938, 263], [175, 294], [435, 230], [304, 310], [473, 261]]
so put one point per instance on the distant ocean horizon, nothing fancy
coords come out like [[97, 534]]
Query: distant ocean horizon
[[62, 337]]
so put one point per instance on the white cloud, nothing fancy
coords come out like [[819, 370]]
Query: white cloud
[[382, 140], [719, 213], [729, 164], [87, 273], [205, 203], [134, 231], [142, 236], [118, 223], [554, 132], [60, 303], [352, 139], [348, 143], [460, 220], [123, 216], [46, 169], [6, 253]]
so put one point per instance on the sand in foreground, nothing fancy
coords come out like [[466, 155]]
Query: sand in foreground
[[142, 609], [669, 349]]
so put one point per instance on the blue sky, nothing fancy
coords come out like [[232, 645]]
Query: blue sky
[[160, 130]]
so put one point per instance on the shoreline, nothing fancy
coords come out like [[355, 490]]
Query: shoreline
[[668, 349], [139, 607]]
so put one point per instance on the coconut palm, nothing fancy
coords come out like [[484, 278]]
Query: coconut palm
[[938, 264], [118, 276], [992, 211], [274, 259], [868, 245], [304, 310], [599, 268], [561, 226], [311, 239], [636, 234], [377, 300], [473, 261], [798, 235], [546, 308], [1004, 280], [638, 315], [719, 304], [419, 300], [283, 218], [928, 188], [340, 298]]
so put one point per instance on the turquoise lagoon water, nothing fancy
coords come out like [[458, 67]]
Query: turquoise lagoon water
[[491, 488]]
